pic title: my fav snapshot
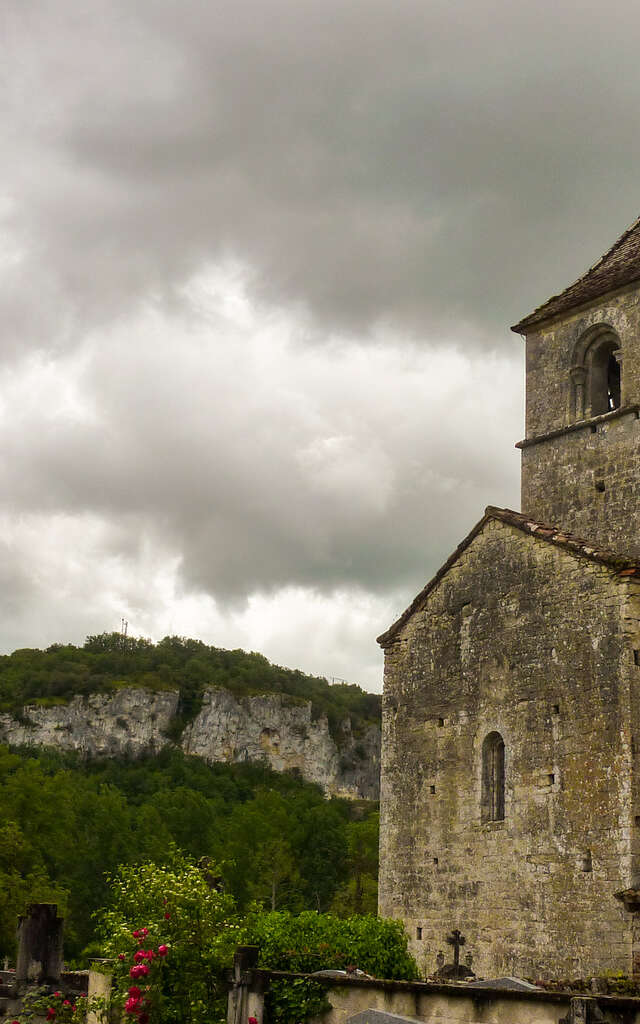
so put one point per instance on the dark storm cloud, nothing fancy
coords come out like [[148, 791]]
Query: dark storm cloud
[[371, 163]]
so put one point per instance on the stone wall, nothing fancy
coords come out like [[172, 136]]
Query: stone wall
[[585, 481], [272, 728], [562, 474], [441, 1003], [523, 638]]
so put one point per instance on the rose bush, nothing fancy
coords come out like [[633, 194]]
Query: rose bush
[[171, 935], [53, 1007]]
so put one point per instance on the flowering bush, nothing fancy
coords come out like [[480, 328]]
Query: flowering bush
[[171, 936], [53, 1007]]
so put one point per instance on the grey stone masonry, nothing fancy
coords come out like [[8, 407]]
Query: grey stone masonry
[[40, 934], [580, 463]]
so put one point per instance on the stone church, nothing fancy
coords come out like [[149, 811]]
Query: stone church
[[510, 801]]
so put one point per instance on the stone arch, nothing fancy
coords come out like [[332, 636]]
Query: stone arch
[[596, 373], [493, 777]]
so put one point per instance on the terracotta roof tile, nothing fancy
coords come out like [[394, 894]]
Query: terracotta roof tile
[[619, 266], [622, 565]]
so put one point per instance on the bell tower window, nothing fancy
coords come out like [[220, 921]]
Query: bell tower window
[[596, 374], [605, 378]]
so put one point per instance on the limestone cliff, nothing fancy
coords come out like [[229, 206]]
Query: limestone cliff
[[273, 728]]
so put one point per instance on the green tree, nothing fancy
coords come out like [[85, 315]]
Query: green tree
[[262, 865], [359, 894], [175, 911]]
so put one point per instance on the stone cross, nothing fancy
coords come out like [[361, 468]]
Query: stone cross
[[456, 939]]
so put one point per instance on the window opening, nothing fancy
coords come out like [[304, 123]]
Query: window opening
[[493, 777], [596, 374], [613, 382], [605, 378]]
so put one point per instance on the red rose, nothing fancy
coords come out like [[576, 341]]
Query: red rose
[[253, 1020], [56, 995], [51, 1013], [66, 1003], [121, 956], [167, 916], [163, 950], [135, 992], [131, 1005], [136, 934], [140, 955]]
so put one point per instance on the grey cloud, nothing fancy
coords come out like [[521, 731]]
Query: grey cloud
[[300, 469], [421, 165]]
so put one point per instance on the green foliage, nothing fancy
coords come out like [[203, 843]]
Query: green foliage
[[171, 923], [290, 1002], [359, 893], [40, 1002], [310, 942], [65, 822], [109, 661], [172, 919]]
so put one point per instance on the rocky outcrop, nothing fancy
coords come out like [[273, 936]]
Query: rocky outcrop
[[272, 728], [277, 729]]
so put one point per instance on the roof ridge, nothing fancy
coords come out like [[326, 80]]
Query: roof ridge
[[594, 282], [563, 538]]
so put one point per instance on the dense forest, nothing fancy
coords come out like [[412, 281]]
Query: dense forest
[[279, 843], [109, 661], [66, 823]]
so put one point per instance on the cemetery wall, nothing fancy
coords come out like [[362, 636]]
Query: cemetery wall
[[442, 1003]]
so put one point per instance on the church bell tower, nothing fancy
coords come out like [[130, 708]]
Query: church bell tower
[[581, 453]]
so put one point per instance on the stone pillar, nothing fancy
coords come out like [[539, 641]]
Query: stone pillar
[[99, 987], [578, 380], [40, 945], [246, 995]]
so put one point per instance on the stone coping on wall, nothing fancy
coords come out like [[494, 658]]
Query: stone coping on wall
[[260, 979], [571, 428]]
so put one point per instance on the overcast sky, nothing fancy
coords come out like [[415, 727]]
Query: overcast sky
[[259, 261]]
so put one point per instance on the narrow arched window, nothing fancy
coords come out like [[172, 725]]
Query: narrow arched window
[[493, 777], [604, 377], [595, 373]]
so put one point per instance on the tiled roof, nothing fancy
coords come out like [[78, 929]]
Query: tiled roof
[[621, 564], [619, 266]]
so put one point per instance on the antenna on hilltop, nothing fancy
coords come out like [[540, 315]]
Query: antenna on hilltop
[[124, 626]]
